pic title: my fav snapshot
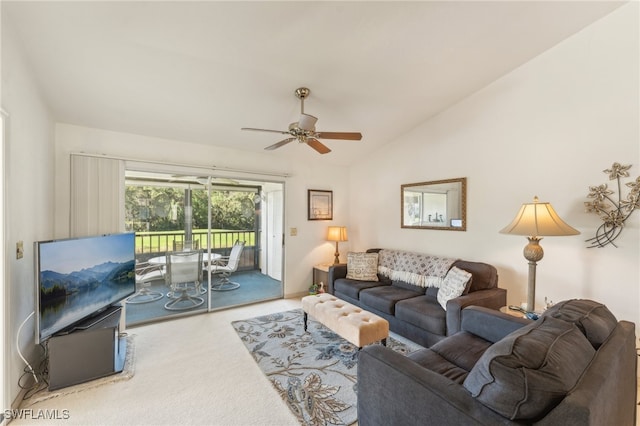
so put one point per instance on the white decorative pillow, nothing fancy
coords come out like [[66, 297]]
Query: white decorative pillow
[[362, 266], [453, 285]]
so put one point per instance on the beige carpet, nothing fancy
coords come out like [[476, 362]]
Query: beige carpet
[[126, 374], [189, 371]]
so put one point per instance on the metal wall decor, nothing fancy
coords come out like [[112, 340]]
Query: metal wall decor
[[612, 212]]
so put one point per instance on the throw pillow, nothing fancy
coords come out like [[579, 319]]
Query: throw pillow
[[527, 373], [362, 266], [453, 285]]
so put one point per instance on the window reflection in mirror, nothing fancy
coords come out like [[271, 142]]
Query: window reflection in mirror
[[437, 204]]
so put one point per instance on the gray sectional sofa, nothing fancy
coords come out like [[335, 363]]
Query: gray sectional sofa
[[576, 365], [402, 295]]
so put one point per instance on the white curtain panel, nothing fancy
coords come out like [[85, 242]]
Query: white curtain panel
[[97, 195]]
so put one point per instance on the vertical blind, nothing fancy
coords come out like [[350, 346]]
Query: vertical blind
[[97, 196]]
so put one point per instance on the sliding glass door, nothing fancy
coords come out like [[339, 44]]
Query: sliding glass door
[[173, 212]]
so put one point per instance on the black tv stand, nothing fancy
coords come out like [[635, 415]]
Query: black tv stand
[[92, 349]]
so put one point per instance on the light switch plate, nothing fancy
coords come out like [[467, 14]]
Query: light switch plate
[[294, 232], [19, 250]]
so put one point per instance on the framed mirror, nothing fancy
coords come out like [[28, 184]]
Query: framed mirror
[[439, 204]]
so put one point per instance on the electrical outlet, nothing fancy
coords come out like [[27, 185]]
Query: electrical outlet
[[19, 250], [294, 232]]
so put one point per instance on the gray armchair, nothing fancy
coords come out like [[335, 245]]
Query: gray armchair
[[575, 366]]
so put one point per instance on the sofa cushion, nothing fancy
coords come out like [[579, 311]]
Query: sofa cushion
[[384, 298], [362, 266], [452, 357], [410, 287], [463, 349], [527, 373], [433, 361], [484, 275], [592, 318], [424, 312], [352, 288], [453, 285]]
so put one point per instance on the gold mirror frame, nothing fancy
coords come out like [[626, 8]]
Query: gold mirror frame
[[438, 204]]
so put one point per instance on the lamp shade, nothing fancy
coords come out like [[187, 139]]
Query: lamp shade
[[538, 220], [337, 233]]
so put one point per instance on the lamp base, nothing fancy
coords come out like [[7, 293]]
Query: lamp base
[[533, 253]]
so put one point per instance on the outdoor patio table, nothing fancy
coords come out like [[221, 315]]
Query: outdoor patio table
[[206, 258]]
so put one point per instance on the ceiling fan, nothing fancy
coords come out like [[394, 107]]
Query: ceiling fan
[[304, 131]]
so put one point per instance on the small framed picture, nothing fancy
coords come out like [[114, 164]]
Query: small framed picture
[[320, 205]]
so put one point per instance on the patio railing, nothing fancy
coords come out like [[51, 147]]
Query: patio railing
[[150, 244]]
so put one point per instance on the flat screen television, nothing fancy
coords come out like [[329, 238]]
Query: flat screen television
[[78, 278]]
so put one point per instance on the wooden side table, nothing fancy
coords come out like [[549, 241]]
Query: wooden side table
[[530, 316], [321, 273], [512, 312]]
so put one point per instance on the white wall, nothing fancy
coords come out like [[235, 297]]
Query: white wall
[[302, 251], [29, 196], [548, 128]]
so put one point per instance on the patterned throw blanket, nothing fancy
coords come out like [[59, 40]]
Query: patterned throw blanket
[[413, 268]]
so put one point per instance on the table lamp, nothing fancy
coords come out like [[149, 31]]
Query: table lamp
[[337, 234], [536, 220]]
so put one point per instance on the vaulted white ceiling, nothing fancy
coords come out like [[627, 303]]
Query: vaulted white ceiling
[[199, 71]]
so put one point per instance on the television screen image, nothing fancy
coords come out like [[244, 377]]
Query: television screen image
[[79, 277]]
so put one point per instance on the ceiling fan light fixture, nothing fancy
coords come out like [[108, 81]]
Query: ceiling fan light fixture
[[307, 122]]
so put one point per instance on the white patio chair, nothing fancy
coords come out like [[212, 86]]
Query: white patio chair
[[184, 268], [145, 274], [225, 266]]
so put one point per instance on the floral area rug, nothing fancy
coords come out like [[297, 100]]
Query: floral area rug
[[315, 373]]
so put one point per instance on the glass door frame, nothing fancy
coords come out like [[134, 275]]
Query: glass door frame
[[206, 180]]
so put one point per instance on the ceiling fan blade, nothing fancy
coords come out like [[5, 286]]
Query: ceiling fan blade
[[307, 122], [349, 136], [318, 146], [265, 130], [279, 144]]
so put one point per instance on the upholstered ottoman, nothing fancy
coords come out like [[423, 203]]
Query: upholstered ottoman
[[354, 324]]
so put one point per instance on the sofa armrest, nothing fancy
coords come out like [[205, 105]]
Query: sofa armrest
[[492, 298], [335, 272], [393, 390], [489, 324]]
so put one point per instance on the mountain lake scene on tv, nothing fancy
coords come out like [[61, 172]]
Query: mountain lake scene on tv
[[80, 276]]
